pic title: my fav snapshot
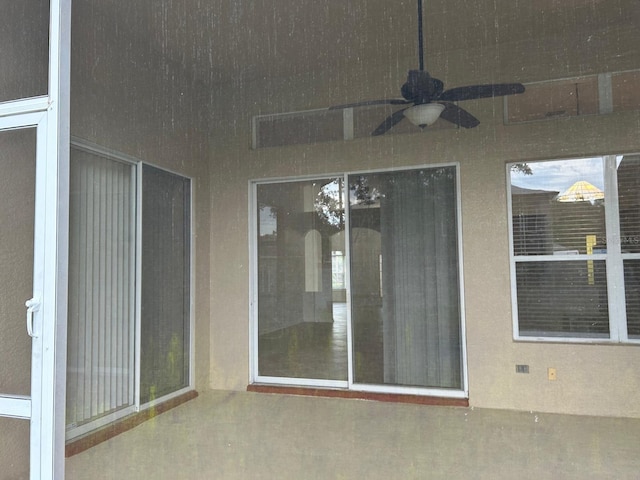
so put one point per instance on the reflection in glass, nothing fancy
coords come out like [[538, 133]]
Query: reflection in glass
[[165, 283], [556, 208], [301, 300], [404, 278]]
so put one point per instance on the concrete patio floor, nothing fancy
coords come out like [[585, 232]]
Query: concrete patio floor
[[237, 435]]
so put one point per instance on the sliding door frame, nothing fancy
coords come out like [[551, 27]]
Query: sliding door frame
[[407, 390], [191, 381], [103, 420], [350, 384], [137, 164], [253, 291]]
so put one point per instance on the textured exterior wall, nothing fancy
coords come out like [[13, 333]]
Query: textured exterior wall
[[128, 98], [592, 379]]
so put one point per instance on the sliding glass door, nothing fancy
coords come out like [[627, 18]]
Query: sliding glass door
[[165, 332], [405, 299], [302, 324], [129, 287], [102, 281], [358, 282]]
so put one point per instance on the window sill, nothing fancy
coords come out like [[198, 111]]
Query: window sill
[[109, 431], [379, 397], [577, 341]]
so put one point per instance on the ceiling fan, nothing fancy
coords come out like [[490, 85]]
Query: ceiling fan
[[428, 100]]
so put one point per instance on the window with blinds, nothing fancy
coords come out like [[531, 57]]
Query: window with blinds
[[575, 248]]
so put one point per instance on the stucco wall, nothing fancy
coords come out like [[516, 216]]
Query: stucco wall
[[121, 101], [592, 379]]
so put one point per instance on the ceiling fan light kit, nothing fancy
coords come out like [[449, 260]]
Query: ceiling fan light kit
[[426, 100], [425, 114]]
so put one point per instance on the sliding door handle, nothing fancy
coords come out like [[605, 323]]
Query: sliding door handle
[[33, 305]]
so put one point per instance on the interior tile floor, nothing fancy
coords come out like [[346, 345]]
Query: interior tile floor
[[239, 435], [307, 349]]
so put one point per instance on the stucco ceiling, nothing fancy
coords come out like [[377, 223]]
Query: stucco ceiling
[[250, 57], [223, 40]]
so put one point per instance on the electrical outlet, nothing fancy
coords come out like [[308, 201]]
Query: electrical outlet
[[551, 373], [522, 368]]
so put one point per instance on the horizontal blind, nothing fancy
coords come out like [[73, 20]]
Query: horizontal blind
[[629, 203], [629, 206], [559, 245], [100, 371], [543, 224], [558, 298], [632, 295]]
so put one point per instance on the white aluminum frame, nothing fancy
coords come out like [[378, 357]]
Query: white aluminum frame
[[48, 376], [254, 377], [614, 263], [349, 384]]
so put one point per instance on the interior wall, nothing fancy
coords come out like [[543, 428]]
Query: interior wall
[[130, 98], [535, 45]]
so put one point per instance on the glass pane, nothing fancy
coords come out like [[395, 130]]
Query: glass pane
[[101, 287], [14, 448], [166, 312], [301, 292], [632, 294], [562, 298], [24, 55], [17, 191], [404, 278], [629, 202], [17, 204], [558, 207]]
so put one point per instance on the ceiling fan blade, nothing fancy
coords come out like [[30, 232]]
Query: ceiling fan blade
[[481, 91], [393, 119], [390, 101], [458, 116]]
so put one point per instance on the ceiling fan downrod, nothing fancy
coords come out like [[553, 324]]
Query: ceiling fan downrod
[[420, 37]]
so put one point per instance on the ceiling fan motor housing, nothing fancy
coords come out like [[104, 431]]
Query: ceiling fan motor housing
[[421, 87]]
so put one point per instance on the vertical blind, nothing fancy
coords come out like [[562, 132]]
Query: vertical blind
[[100, 371]]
